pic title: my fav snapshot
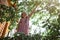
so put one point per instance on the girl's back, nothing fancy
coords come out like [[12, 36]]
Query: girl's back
[[23, 25]]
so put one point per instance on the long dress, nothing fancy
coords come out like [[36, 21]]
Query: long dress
[[23, 25]]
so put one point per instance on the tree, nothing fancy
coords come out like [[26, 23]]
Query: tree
[[48, 8]]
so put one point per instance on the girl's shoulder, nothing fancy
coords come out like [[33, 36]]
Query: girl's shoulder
[[27, 17]]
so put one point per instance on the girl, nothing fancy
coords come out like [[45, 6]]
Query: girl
[[23, 25]]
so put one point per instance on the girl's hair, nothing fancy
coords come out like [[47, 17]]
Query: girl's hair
[[23, 13]]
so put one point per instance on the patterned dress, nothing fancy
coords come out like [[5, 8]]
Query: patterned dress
[[23, 25]]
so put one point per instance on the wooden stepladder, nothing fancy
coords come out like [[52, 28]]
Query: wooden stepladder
[[5, 25], [2, 25], [4, 29]]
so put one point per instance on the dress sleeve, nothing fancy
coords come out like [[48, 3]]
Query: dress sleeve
[[20, 22], [27, 20]]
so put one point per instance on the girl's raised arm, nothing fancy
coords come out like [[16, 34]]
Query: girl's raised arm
[[32, 12]]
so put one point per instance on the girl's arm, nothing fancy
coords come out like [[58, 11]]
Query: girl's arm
[[32, 12], [19, 23]]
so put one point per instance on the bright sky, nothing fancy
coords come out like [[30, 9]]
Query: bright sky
[[59, 1]]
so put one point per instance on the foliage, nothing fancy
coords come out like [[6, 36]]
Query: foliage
[[50, 10], [48, 15], [22, 36], [7, 13]]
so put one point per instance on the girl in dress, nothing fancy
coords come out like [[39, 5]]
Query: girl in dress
[[23, 25]]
